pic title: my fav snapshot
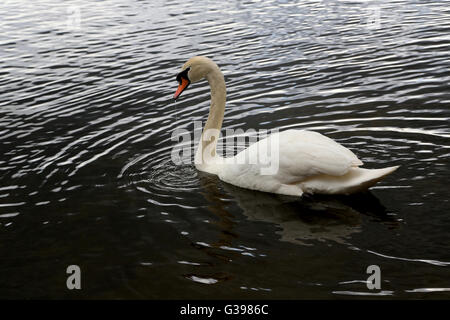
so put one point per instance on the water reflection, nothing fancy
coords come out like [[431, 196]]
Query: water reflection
[[318, 217], [87, 119]]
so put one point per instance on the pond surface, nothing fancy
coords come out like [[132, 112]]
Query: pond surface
[[86, 124]]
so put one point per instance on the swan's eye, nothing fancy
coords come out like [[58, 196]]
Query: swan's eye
[[183, 74], [183, 81]]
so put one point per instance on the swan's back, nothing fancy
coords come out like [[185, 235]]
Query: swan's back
[[306, 161]]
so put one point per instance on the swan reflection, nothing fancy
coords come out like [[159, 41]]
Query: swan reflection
[[320, 218]]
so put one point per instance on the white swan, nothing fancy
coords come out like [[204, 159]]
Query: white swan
[[306, 161]]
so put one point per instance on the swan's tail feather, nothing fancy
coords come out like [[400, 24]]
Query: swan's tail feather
[[355, 180]]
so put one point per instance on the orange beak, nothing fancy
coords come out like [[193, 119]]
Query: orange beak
[[183, 85]]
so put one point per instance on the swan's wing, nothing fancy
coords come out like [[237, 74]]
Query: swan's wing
[[300, 155], [305, 153]]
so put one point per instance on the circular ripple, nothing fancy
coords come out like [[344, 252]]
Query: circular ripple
[[167, 175], [158, 172]]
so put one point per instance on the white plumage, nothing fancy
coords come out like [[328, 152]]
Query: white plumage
[[308, 162]]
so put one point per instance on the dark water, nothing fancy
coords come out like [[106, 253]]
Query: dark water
[[86, 119]]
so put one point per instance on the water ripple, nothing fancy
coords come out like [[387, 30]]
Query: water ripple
[[86, 123]]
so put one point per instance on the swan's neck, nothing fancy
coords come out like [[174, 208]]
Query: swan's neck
[[206, 158]]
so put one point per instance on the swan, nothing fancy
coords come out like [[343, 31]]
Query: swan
[[304, 161]]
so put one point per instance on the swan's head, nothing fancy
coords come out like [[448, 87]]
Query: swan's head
[[195, 69]]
